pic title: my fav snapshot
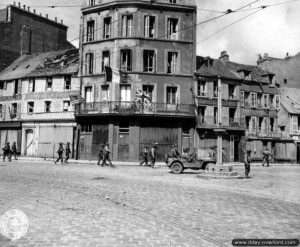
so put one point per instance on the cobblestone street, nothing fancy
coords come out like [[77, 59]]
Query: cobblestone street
[[86, 205]]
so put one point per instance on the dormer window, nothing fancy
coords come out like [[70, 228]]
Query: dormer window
[[247, 75]]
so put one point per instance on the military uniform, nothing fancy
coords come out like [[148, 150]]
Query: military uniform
[[68, 152], [60, 152], [100, 155], [106, 155], [247, 161], [14, 151], [145, 156], [6, 152], [153, 153]]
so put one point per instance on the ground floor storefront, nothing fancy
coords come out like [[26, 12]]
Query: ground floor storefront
[[42, 139], [127, 136], [11, 132]]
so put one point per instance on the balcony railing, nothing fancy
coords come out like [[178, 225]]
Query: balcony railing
[[131, 107], [62, 115], [264, 134], [211, 121]]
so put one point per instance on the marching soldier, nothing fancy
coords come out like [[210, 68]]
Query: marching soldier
[[106, 155], [153, 152], [6, 152], [266, 157], [100, 156], [60, 152], [68, 152], [247, 161], [14, 151]]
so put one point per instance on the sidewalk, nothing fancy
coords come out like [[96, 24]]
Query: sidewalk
[[134, 163]]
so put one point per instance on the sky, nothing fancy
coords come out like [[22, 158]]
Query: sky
[[274, 30]]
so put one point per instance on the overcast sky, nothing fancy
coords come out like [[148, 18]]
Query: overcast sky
[[274, 30]]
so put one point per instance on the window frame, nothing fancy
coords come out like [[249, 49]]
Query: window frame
[[172, 66], [128, 59], [48, 79], [107, 27], [103, 56], [127, 25], [148, 31], [30, 107], [153, 67], [90, 31], [68, 78], [31, 81], [89, 63], [171, 35], [48, 104], [172, 97]]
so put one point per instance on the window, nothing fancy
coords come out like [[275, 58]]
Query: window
[[31, 85], [126, 60], [172, 1], [105, 93], [172, 28], [47, 106], [247, 75], [125, 93], [242, 98], [172, 95], [201, 88], [272, 124], [8, 14], [149, 61], [215, 89], [253, 99], [149, 26], [148, 90], [92, 2], [215, 115], [86, 128], [14, 110], [30, 107], [265, 101], [1, 111], [277, 101], [231, 91], [172, 62], [253, 125], [89, 63], [68, 82], [48, 83], [17, 89], [2, 85], [90, 29], [201, 114], [66, 105], [107, 28], [285, 81], [295, 123], [105, 62], [88, 95], [127, 25]]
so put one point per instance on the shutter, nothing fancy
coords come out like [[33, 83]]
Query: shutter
[[169, 29], [130, 23], [124, 17], [3, 111], [18, 110], [19, 86], [147, 24], [154, 61], [294, 123], [94, 62]]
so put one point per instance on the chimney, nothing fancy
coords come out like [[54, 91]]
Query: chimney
[[55, 19], [34, 11], [62, 21], [28, 8], [40, 14], [287, 55], [24, 6], [266, 55], [14, 3], [19, 4], [224, 57], [47, 16]]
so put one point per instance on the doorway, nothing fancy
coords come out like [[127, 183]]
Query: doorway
[[29, 149]]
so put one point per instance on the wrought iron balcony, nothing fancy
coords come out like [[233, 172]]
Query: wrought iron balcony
[[214, 101], [211, 121], [134, 108], [263, 134]]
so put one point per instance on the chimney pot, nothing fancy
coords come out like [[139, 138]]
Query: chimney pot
[[24, 6], [40, 14], [15, 3], [55, 19], [19, 4], [47, 16], [62, 22], [28, 8], [266, 55], [224, 57], [33, 10]]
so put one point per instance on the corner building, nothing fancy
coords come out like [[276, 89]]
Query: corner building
[[152, 43]]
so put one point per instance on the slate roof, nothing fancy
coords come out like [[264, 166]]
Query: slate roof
[[290, 100], [42, 64], [229, 69]]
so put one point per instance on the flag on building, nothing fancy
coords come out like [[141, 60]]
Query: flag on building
[[115, 75], [76, 99]]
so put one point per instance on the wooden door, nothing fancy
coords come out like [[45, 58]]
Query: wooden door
[[85, 146], [29, 149], [123, 149]]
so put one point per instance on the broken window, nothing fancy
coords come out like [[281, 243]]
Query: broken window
[[90, 31], [172, 28], [149, 61], [172, 62], [30, 108], [67, 82], [47, 106], [149, 26], [89, 60], [107, 28], [126, 60], [105, 93], [231, 91], [48, 83], [105, 62], [31, 85], [127, 25]]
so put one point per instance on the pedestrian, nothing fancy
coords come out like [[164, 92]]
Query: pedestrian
[[100, 155], [6, 152], [14, 151], [145, 156], [106, 155], [169, 153], [60, 152], [68, 152], [266, 157], [153, 152], [247, 161]]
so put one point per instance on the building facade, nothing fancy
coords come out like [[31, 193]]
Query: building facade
[[36, 112], [23, 31], [150, 48]]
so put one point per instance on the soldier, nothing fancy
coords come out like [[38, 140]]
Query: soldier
[[106, 155], [6, 152], [153, 153], [266, 157], [145, 156], [60, 152], [247, 161], [100, 156], [68, 152], [175, 152], [191, 157], [14, 151]]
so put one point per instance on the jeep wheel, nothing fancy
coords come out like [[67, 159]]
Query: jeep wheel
[[177, 168]]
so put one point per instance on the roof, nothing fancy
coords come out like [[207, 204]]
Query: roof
[[290, 100], [42, 64], [216, 67]]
